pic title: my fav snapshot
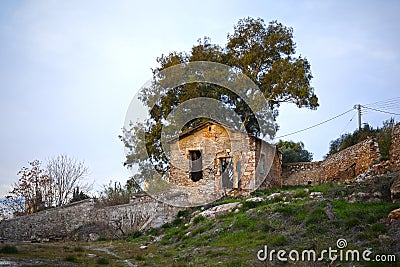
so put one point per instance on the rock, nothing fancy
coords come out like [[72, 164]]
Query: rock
[[395, 189], [93, 237], [274, 195], [377, 194], [255, 199], [394, 214], [383, 238], [363, 195], [188, 233], [90, 255], [211, 213], [315, 195]]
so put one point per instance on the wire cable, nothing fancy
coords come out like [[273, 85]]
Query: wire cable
[[318, 124], [382, 102], [387, 112], [348, 123]]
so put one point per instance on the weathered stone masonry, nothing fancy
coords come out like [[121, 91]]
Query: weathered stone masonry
[[395, 148], [67, 221], [345, 164], [341, 166]]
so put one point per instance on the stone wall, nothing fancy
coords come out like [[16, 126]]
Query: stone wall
[[341, 166], [301, 173], [83, 220], [395, 148]]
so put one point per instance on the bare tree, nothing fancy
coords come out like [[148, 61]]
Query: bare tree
[[66, 174]]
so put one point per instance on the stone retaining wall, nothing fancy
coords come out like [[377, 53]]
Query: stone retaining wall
[[395, 148], [67, 222], [343, 165]]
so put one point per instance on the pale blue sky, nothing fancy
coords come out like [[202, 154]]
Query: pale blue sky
[[68, 69]]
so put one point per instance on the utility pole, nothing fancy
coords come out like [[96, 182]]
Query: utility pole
[[358, 107]]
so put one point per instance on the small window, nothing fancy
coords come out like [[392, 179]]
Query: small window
[[196, 166]]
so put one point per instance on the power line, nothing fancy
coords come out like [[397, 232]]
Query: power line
[[348, 123], [390, 100], [387, 112], [318, 124]]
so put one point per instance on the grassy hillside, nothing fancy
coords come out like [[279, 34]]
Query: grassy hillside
[[297, 219]]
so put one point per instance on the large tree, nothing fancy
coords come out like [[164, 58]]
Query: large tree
[[264, 53], [293, 152]]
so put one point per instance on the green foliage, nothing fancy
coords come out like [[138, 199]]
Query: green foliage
[[264, 53], [72, 258], [183, 213], [316, 216], [116, 194], [8, 249], [135, 234], [293, 152], [383, 135], [79, 249], [139, 258], [103, 261], [78, 195], [198, 219], [277, 240]]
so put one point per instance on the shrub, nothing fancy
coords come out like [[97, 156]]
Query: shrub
[[79, 249], [135, 234], [71, 258], [183, 213], [102, 260], [139, 258], [198, 219], [7, 249]]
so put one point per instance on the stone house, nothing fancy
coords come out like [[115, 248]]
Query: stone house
[[213, 159]]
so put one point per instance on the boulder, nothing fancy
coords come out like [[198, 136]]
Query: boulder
[[255, 199], [273, 196], [218, 210], [394, 214]]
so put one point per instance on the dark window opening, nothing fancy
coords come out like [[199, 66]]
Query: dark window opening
[[226, 166], [196, 166]]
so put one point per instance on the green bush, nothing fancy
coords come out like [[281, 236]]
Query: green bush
[[135, 234], [7, 249], [183, 213], [316, 216], [79, 249], [199, 219], [277, 240], [139, 258], [71, 258], [102, 261]]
